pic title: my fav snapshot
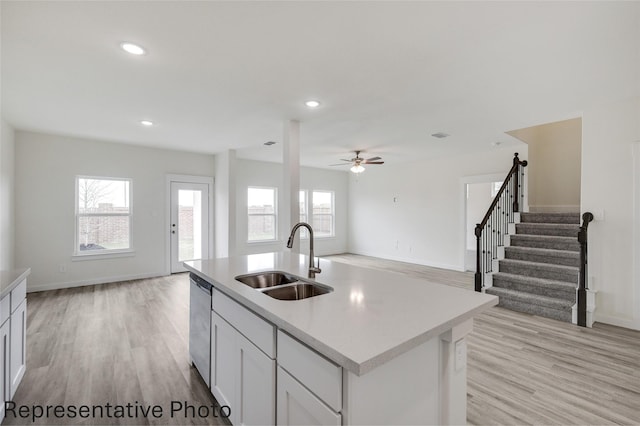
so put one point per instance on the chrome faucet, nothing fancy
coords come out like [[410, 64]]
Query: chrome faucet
[[313, 269]]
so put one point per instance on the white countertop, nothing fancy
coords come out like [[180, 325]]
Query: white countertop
[[371, 316], [10, 279]]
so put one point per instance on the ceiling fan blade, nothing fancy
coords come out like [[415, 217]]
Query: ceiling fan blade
[[349, 161], [374, 162], [373, 159], [339, 164]]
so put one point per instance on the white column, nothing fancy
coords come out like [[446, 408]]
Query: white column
[[289, 208], [225, 203]]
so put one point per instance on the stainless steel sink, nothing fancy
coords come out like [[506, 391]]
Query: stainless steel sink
[[297, 291], [283, 286], [267, 279]]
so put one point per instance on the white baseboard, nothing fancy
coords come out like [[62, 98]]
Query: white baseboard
[[568, 208], [618, 322], [95, 281], [410, 260]]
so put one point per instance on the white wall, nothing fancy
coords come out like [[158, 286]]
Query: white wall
[[554, 165], [46, 166], [414, 212], [7, 219], [609, 133], [261, 173]]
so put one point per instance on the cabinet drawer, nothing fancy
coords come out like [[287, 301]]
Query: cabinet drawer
[[5, 308], [298, 406], [18, 294], [260, 332], [318, 374]]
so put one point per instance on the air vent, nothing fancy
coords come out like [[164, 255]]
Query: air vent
[[440, 135]]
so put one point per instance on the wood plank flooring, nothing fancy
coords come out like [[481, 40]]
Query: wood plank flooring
[[115, 343], [128, 342], [524, 369]]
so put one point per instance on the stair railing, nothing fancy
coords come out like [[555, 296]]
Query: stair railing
[[583, 286], [495, 224]]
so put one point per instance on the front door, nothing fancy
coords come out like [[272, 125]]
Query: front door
[[189, 225]]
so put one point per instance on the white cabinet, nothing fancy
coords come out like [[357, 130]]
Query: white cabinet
[[5, 382], [18, 345], [13, 339], [298, 406], [256, 394], [223, 361], [243, 375], [309, 385]]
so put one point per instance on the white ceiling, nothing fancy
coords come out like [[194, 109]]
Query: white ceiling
[[222, 75]]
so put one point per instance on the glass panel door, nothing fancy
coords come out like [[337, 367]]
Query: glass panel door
[[189, 223]]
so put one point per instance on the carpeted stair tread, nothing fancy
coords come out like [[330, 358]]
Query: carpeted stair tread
[[543, 255], [554, 229], [516, 302], [545, 241], [540, 286], [550, 217], [533, 299], [540, 270]]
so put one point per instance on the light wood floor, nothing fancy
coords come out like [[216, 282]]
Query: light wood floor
[[127, 342], [525, 369], [115, 343]]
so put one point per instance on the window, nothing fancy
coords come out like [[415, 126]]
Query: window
[[323, 214], [103, 215], [262, 212]]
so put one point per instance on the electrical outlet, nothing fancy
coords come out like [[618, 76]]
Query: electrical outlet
[[461, 354]]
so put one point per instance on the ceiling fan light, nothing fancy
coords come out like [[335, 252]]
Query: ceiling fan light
[[357, 168]]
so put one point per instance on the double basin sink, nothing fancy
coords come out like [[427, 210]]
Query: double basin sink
[[283, 286]]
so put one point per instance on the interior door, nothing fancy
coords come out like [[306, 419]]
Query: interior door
[[189, 225]]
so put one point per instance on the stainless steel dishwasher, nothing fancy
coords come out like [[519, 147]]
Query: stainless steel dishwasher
[[200, 326]]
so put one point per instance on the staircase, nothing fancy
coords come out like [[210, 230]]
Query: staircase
[[540, 270]]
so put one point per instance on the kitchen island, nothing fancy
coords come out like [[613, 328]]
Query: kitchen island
[[381, 348]]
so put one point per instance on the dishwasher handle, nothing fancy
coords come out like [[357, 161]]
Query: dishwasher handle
[[203, 284]]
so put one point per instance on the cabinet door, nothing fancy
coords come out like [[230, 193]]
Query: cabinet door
[[224, 363], [5, 383], [298, 406], [257, 385], [18, 345]]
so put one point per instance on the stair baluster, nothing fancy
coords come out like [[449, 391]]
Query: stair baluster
[[493, 227]]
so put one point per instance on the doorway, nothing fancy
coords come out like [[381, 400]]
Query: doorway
[[190, 224], [479, 192]]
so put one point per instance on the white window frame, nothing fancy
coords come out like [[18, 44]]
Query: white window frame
[[333, 212], [304, 234], [105, 253], [274, 214]]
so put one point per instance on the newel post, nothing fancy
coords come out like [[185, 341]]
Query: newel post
[[516, 181], [478, 276]]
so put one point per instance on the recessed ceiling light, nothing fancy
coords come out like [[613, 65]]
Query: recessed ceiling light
[[312, 104], [440, 135], [132, 48], [146, 123]]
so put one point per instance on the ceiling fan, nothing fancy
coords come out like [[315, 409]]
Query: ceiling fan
[[357, 162]]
